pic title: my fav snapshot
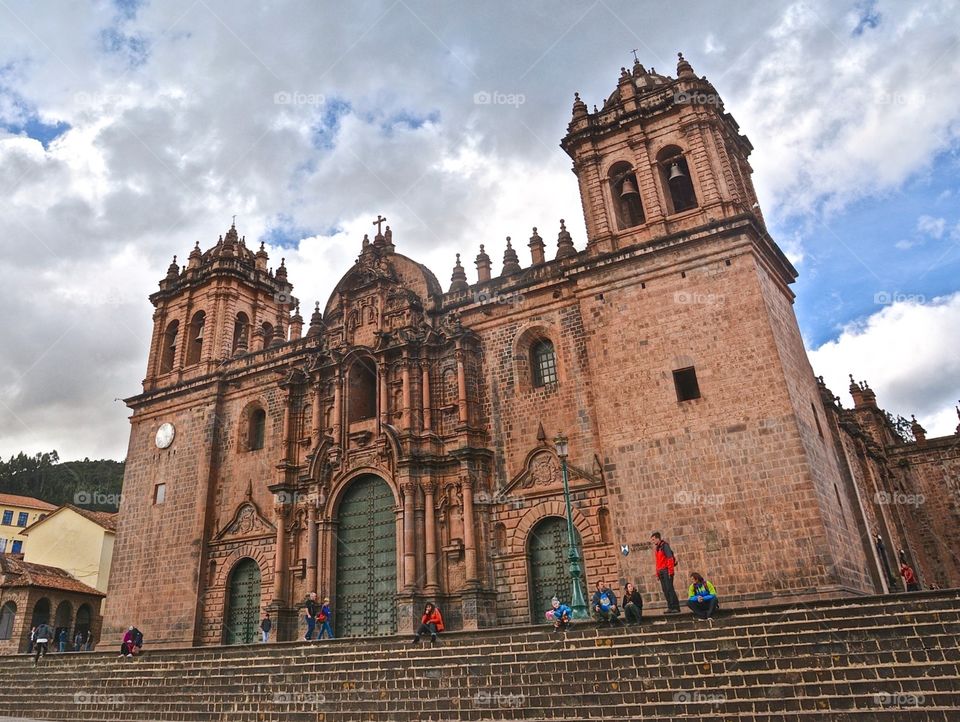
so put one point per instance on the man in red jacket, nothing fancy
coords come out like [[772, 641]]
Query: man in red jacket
[[666, 563]]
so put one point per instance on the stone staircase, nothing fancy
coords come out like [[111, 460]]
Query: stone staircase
[[873, 658]]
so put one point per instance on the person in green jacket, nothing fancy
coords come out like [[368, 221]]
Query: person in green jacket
[[702, 597]]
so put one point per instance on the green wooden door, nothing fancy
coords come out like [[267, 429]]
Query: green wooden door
[[548, 555], [243, 603], [366, 560]]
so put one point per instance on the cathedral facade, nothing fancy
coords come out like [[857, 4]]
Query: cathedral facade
[[399, 446]]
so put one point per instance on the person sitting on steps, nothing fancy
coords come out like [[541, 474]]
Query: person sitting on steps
[[632, 604], [560, 615], [430, 623], [702, 597], [604, 604]]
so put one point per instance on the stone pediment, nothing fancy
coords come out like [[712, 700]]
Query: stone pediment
[[247, 522], [542, 473]]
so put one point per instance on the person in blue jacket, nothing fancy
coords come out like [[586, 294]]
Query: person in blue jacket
[[560, 614], [702, 597], [604, 604]]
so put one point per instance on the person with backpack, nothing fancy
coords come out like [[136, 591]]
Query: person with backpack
[[430, 623], [702, 597], [325, 618], [44, 634], [666, 563]]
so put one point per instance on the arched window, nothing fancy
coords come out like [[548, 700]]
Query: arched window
[[41, 612], [676, 179], [306, 421], [267, 330], [241, 329], [543, 362], [625, 192], [258, 429], [195, 339], [362, 391], [169, 350], [7, 616]]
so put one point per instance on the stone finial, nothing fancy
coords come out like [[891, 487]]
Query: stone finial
[[579, 107], [281, 273], [565, 247], [193, 260], [173, 270], [919, 433], [854, 386], [316, 321], [638, 69], [483, 265], [262, 257], [296, 324], [958, 416], [684, 69], [459, 277], [537, 248], [511, 262]]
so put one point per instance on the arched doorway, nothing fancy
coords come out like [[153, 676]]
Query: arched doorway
[[83, 622], [243, 603], [41, 613], [366, 560], [62, 620], [549, 573], [7, 614]]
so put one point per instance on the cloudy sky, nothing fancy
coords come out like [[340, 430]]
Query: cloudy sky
[[131, 129]]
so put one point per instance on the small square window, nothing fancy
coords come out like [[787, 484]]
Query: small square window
[[8, 518], [159, 493], [686, 382]]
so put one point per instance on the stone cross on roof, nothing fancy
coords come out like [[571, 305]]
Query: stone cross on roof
[[380, 220]]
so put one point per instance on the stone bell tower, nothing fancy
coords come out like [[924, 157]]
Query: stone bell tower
[[661, 156], [224, 302]]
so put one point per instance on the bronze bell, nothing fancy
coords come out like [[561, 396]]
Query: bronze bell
[[629, 188], [676, 172]]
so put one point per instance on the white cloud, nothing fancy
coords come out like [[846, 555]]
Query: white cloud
[[907, 352], [930, 226]]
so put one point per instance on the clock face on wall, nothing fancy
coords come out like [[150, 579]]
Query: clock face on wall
[[165, 435]]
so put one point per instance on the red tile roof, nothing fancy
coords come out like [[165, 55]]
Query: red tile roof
[[14, 572], [106, 519], [27, 502]]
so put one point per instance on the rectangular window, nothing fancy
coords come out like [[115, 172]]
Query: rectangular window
[[685, 381], [17, 546], [159, 493], [8, 518], [22, 518], [3, 546], [817, 419]]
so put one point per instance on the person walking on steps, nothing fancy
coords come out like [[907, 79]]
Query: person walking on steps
[[312, 609], [430, 623], [43, 639], [325, 618], [265, 626], [666, 563]]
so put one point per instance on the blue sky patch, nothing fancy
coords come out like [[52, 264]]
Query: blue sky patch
[[285, 233], [324, 131]]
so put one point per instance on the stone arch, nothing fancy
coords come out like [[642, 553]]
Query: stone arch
[[624, 191], [41, 612], [8, 615], [526, 338], [252, 551], [243, 601], [244, 441], [680, 194], [339, 486], [552, 507]]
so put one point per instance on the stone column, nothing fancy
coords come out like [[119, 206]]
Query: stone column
[[405, 374], [425, 389], [384, 395], [337, 407], [315, 431], [469, 536], [312, 547], [409, 537], [430, 533], [280, 556], [462, 384]]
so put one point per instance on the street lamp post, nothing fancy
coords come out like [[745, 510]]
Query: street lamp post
[[577, 601]]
